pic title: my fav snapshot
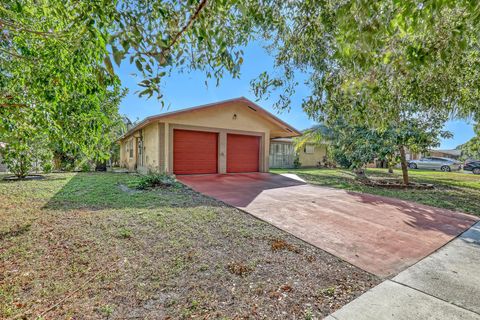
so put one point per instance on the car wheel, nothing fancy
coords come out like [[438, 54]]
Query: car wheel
[[445, 169], [412, 166], [476, 171]]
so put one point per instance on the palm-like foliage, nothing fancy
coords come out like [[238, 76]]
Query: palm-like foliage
[[317, 135]]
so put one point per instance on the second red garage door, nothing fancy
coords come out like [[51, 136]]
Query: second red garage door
[[242, 153], [194, 152]]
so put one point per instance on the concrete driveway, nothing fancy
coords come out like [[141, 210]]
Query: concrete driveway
[[377, 234]]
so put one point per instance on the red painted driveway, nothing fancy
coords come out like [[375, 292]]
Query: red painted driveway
[[378, 234]]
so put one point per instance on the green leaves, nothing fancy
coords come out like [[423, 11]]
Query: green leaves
[[139, 65], [118, 55], [63, 77], [108, 65]]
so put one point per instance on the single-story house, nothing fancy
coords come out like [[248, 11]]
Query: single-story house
[[224, 137], [445, 153]]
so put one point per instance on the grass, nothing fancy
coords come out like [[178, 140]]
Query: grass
[[453, 190], [88, 246]]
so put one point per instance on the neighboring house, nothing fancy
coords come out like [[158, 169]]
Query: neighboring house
[[282, 154], [446, 153], [224, 137]]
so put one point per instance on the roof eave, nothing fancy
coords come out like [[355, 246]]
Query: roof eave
[[285, 126]]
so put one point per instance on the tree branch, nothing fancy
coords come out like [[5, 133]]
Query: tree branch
[[4, 22], [192, 19], [177, 36], [13, 54]]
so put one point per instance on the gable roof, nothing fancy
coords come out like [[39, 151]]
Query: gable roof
[[252, 105]]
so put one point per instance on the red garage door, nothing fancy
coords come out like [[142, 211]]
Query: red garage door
[[242, 153], [194, 152]]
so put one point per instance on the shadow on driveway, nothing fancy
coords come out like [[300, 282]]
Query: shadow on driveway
[[378, 234]]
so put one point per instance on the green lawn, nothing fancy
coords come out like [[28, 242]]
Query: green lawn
[[83, 246], [453, 190]]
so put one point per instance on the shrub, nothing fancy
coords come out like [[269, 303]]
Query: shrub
[[296, 163], [154, 180], [21, 156], [340, 158], [86, 166], [47, 167], [125, 233]]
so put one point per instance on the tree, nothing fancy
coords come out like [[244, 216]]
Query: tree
[[154, 35], [56, 57], [471, 149], [379, 63], [353, 145], [26, 147], [318, 134]]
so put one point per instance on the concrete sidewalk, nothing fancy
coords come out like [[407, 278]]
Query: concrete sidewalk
[[444, 285]]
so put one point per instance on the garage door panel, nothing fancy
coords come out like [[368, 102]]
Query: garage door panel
[[243, 153], [194, 152]]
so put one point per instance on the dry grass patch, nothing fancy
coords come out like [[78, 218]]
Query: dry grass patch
[[77, 246]]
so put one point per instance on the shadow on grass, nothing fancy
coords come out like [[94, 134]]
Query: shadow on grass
[[4, 178], [100, 190]]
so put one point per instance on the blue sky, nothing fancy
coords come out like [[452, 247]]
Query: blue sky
[[189, 89]]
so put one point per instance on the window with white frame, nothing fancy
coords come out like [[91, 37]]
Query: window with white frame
[[309, 149]]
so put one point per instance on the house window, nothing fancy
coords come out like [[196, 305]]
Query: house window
[[130, 148], [309, 149]]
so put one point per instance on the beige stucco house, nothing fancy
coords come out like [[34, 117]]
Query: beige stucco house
[[224, 137]]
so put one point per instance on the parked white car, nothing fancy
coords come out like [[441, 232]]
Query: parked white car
[[435, 163]]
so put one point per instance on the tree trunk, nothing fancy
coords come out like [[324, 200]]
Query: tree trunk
[[403, 162]]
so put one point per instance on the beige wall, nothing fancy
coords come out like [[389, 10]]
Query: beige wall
[[150, 148], [125, 160], [246, 119], [312, 159], [235, 118]]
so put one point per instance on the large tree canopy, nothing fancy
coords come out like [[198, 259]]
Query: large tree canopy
[[380, 64], [56, 58], [373, 60], [155, 35]]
